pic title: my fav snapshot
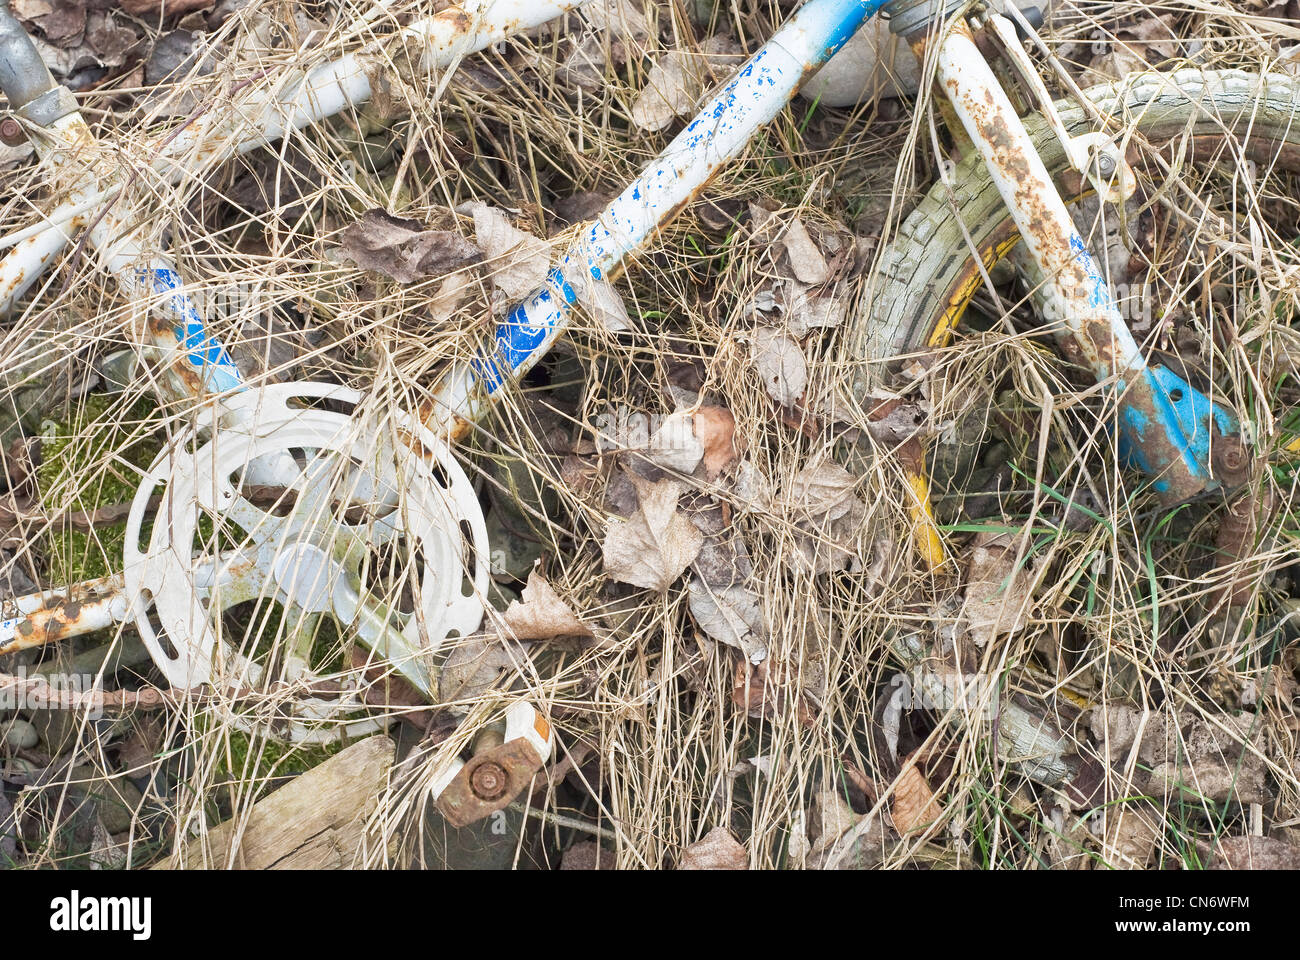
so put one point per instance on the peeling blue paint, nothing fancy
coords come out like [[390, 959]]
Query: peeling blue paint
[[750, 99], [1099, 293], [1187, 418], [204, 351]]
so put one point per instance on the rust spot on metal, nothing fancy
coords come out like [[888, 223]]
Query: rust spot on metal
[[1235, 541], [1230, 461], [488, 782], [460, 428], [11, 132]]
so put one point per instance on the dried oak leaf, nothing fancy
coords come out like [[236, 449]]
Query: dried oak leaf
[[542, 615], [686, 439], [518, 261], [623, 19], [781, 365], [718, 850], [915, 806], [403, 250], [64, 23], [998, 593], [657, 544], [895, 420]]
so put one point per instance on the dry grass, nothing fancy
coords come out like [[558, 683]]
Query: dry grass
[[656, 747]]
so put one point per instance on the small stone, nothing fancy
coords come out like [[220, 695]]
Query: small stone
[[21, 735]]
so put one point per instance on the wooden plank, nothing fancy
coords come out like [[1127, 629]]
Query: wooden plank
[[315, 822]]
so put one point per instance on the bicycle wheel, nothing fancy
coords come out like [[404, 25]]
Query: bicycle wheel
[[928, 275], [1233, 141]]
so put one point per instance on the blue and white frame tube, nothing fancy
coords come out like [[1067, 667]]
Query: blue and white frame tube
[[756, 94], [193, 362], [193, 365], [1166, 426]]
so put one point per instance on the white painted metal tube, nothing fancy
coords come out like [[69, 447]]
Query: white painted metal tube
[[29, 259], [1074, 292], [718, 133], [39, 618], [1165, 427], [264, 116]]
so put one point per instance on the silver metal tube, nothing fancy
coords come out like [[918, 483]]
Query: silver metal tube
[[23, 74]]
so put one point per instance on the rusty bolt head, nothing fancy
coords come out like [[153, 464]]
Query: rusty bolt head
[[1230, 457], [11, 132], [1106, 164], [489, 781]]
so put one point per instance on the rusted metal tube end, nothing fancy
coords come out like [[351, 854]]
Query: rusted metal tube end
[[1239, 531]]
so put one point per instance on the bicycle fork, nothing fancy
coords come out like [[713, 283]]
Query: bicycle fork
[[1167, 428]]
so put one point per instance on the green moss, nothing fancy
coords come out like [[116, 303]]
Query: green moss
[[270, 758], [87, 462]]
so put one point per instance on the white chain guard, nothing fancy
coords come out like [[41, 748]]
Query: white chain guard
[[308, 558]]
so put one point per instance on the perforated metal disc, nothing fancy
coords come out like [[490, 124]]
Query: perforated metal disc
[[346, 491]]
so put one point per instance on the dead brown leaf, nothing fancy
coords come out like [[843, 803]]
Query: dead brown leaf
[[806, 260], [517, 261], [767, 691], [403, 249], [715, 428], [175, 8], [823, 490], [718, 850], [657, 544], [474, 667], [542, 615], [672, 89], [998, 594], [781, 365], [732, 615], [915, 806]]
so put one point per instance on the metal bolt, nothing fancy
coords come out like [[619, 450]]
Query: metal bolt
[[1106, 164], [11, 132], [489, 781], [1229, 457]]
